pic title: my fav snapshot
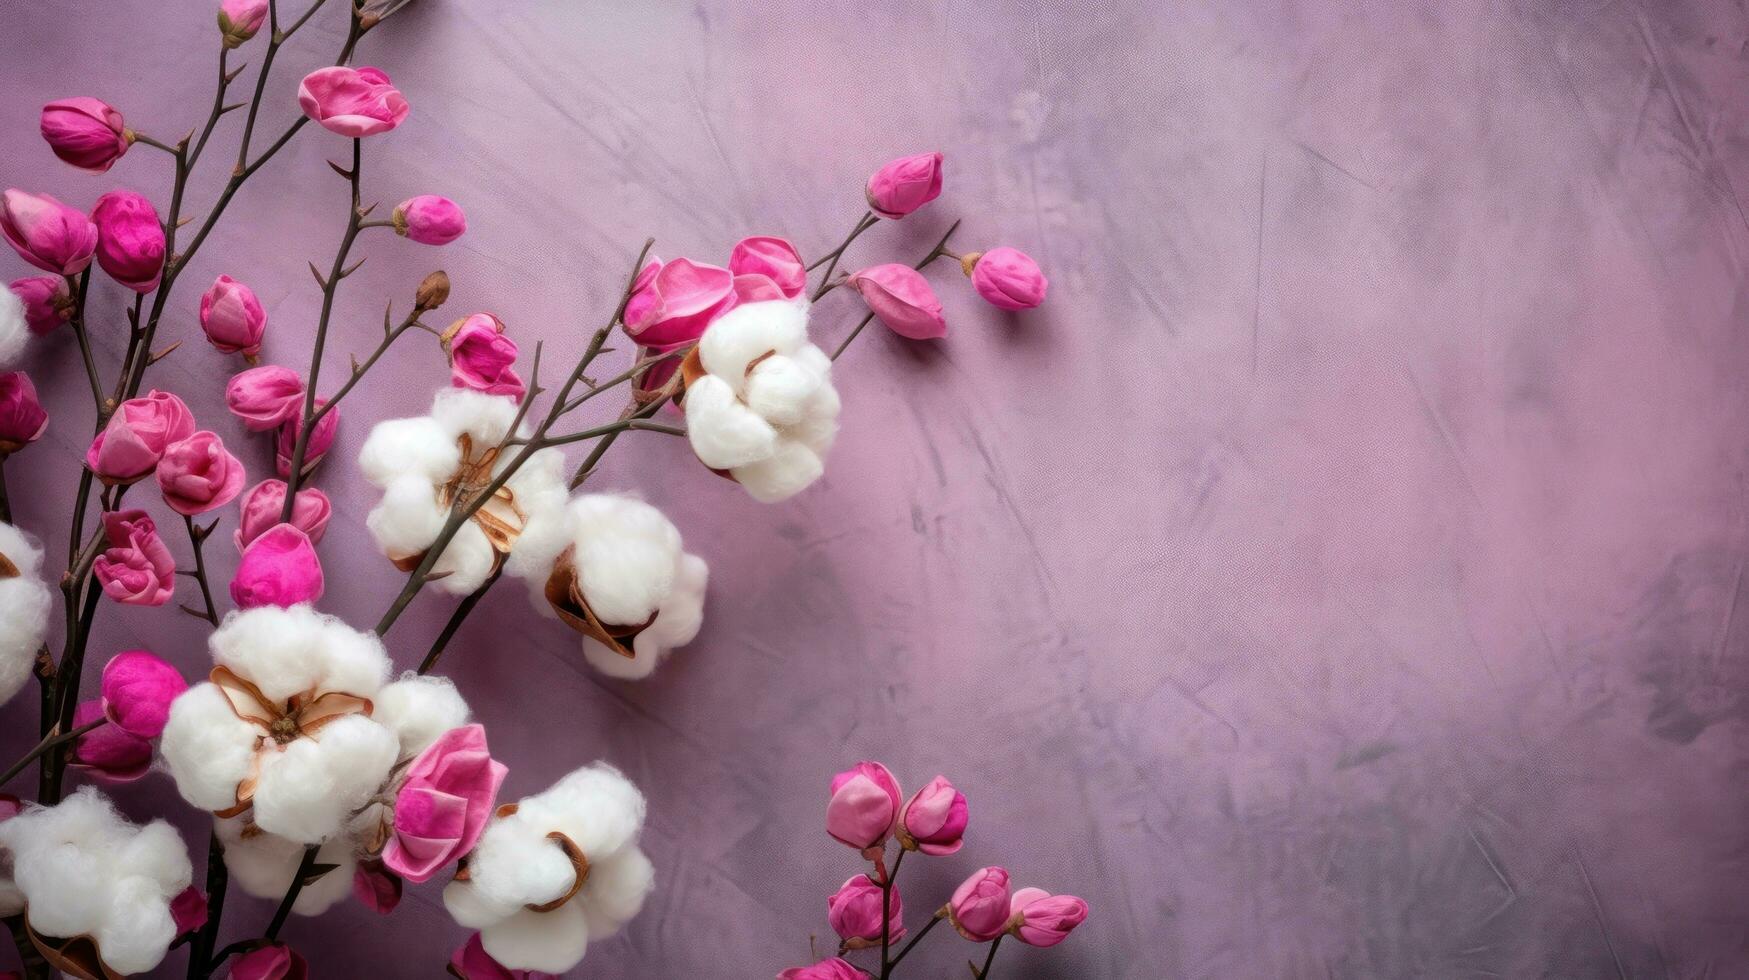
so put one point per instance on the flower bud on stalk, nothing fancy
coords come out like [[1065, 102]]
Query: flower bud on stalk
[[239, 20], [433, 291]]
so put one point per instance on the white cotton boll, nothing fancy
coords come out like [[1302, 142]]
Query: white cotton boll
[[596, 806], [780, 388], [408, 447], [58, 906], [745, 332], [206, 747], [473, 909], [277, 649], [723, 431], [354, 660], [515, 864], [419, 709], [550, 942], [484, 418], [307, 789], [819, 425], [616, 892], [156, 853], [681, 616], [24, 610], [13, 332], [408, 518], [466, 561], [541, 495], [137, 929], [624, 551], [263, 866], [785, 473]]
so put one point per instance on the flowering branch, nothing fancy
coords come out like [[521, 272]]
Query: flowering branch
[[197, 537], [937, 252]]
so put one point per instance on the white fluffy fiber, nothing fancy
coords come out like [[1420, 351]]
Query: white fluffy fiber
[[13, 331], [418, 710], [307, 787], [771, 426], [515, 865], [409, 459], [24, 608], [263, 865], [84, 870]]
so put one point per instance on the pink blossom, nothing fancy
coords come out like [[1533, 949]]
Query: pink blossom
[[232, 318], [130, 240], [1008, 279], [904, 185], [320, 440], [108, 752], [934, 820], [376, 887], [864, 806], [265, 397], [47, 304], [444, 805], [137, 570], [197, 474], [352, 101], [854, 912], [137, 690], [279, 568], [481, 356], [832, 969], [1038, 918], [472, 962], [674, 302], [85, 132], [979, 907], [188, 910], [773, 258], [22, 419], [46, 233], [430, 220], [901, 297], [130, 446], [275, 961], [240, 20], [262, 504]]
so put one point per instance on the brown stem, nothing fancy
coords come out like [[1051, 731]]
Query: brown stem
[[305, 866], [894, 964], [5, 501], [863, 224], [887, 912], [49, 741], [197, 536], [218, 877], [78, 287], [985, 972], [455, 621], [937, 252]]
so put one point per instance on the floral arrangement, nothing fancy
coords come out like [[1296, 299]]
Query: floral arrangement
[[328, 771]]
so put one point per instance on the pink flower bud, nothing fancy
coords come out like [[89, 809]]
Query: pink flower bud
[[832, 969], [979, 907], [188, 910], [444, 805], [1038, 918], [430, 220], [85, 132], [260, 508], [265, 397], [47, 303], [232, 317], [905, 185], [46, 233], [130, 240], [197, 474], [240, 20], [775, 259], [901, 297], [279, 568], [934, 820], [137, 690], [1007, 278], [481, 356], [275, 961], [352, 101], [854, 912], [22, 419], [129, 447], [756, 288], [672, 303], [472, 962], [137, 570], [321, 438], [864, 805], [106, 751], [376, 887]]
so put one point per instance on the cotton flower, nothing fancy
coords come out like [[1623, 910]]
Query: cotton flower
[[22, 419], [264, 864], [429, 219], [24, 608], [759, 399], [284, 727], [137, 569], [85, 132], [352, 101], [47, 304], [904, 185], [14, 327], [556, 871], [87, 872], [622, 581], [46, 233], [1038, 918], [422, 463], [232, 318], [130, 239]]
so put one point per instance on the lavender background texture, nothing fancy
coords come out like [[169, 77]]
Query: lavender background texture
[[1339, 577]]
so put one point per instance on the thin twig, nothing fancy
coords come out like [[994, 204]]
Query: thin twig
[[455, 621], [914, 941], [217, 879], [197, 536], [985, 972], [299, 879], [78, 287], [49, 742]]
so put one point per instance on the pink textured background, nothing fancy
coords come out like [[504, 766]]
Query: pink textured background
[[1337, 579]]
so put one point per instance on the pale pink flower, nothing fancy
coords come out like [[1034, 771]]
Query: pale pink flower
[[137, 569], [904, 185], [265, 397], [352, 101], [864, 806], [979, 907], [430, 220], [46, 233], [85, 132], [934, 819], [1038, 918], [232, 318], [261, 505], [902, 299], [47, 304], [198, 474], [136, 437], [444, 805]]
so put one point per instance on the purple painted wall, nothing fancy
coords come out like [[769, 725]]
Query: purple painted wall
[[1336, 579]]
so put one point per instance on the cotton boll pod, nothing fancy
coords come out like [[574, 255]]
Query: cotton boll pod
[[418, 710], [723, 431], [751, 331], [206, 747], [307, 789], [676, 624], [263, 865], [24, 609]]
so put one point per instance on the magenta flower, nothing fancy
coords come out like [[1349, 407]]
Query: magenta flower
[[430, 220], [1008, 278], [108, 752], [472, 962], [46, 233], [275, 961], [279, 568], [265, 397], [137, 436], [85, 132], [232, 318], [197, 474], [137, 690], [832, 969], [130, 240], [979, 907], [376, 887], [481, 357], [673, 303], [934, 820], [864, 806], [1038, 918], [905, 185], [352, 101], [47, 304], [22, 419], [137, 570], [321, 438], [901, 297], [240, 20], [854, 911], [262, 503], [188, 910], [444, 805], [773, 259]]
